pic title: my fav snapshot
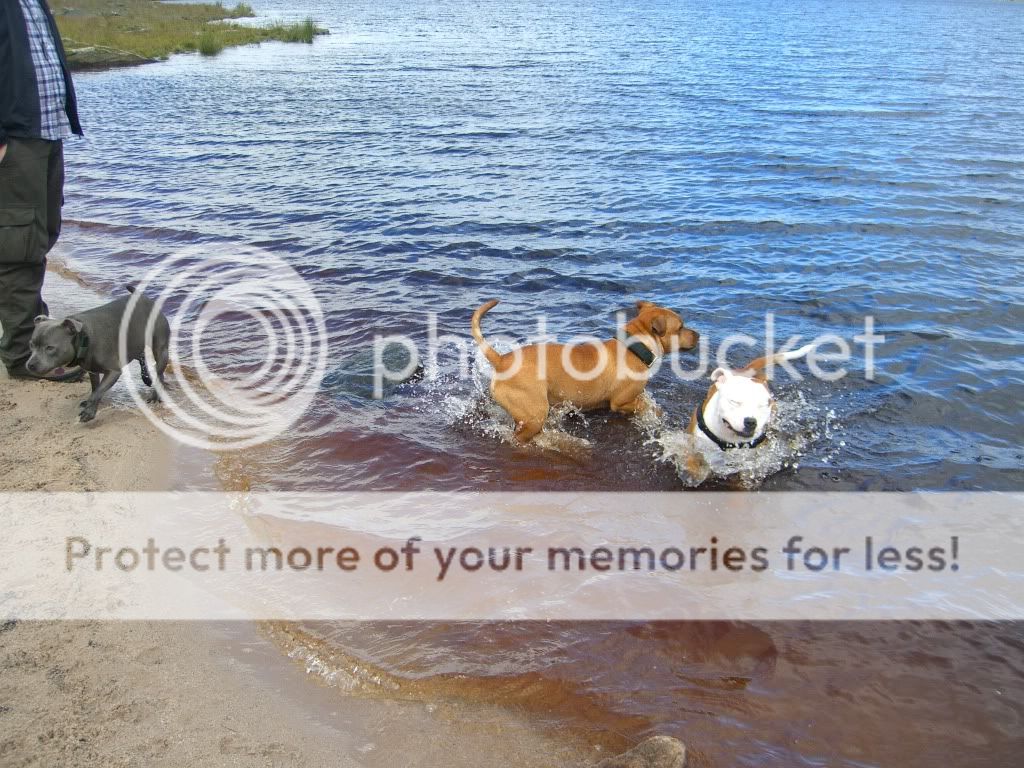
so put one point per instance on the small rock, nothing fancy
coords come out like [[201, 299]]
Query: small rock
[[655, 752]]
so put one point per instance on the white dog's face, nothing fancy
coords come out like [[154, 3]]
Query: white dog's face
[[744, 405]]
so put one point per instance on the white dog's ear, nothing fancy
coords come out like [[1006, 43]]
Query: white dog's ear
[[40, 318], [74, 326], [720, 374]]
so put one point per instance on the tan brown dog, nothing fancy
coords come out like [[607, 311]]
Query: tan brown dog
[[606, 374]]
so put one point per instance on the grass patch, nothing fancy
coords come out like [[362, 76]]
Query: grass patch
[[209, 43], [155, 30], [303, 32]]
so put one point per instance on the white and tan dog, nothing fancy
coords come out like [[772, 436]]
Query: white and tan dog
[[739, 405]]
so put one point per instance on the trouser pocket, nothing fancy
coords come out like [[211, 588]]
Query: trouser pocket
[[19, 238]]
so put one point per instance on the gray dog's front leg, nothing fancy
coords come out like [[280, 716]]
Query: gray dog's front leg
[[88, 407]]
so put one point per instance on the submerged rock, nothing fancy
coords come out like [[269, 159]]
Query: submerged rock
[[656, 752]]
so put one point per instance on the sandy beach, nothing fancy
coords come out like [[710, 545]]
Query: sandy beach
[[177, 694], [121, 451]]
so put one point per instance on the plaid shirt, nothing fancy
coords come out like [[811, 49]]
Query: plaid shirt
[[49, 74]]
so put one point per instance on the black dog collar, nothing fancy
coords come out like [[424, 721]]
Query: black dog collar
[[642, 351], [81, 344], [722, 444]]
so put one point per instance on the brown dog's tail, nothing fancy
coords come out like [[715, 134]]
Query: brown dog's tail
[[492, 357], [758, 365]]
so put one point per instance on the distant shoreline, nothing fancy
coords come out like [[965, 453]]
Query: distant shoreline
[[105, 34]]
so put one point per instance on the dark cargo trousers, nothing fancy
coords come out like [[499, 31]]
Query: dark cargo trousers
[[31, 195]]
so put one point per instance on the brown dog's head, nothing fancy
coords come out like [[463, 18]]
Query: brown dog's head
[[666, 326]]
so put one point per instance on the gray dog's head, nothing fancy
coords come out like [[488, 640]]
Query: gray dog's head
[[52, 344]]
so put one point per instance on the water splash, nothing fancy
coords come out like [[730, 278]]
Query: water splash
[[475, 410]]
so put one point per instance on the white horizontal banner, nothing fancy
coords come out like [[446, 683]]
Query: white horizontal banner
[[495, 556]]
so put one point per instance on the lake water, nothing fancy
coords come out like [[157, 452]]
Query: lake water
[[819, 160]]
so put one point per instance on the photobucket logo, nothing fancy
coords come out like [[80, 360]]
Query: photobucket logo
[[247, 347], [828, 356]]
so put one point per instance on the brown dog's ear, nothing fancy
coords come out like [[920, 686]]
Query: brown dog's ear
[[642, 305], [659, 325], [73, 326]]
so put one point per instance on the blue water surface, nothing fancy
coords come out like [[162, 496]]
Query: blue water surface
[[821, 160]]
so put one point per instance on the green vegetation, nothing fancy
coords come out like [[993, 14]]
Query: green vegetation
[[209, 43], [303, 32], [100, 33]]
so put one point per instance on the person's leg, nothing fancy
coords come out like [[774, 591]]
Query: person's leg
[[23, 240], [20, 302], [31, 195]]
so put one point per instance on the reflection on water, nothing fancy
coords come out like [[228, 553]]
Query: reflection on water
[[820, 160]]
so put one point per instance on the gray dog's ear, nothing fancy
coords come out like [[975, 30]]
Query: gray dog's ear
[[40, 318], [74, 326]]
